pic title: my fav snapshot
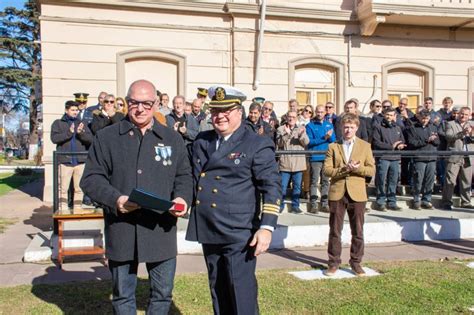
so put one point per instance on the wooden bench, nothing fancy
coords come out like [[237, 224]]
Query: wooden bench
[[60, 219]]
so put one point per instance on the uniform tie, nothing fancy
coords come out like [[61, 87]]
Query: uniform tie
[[221, 143]]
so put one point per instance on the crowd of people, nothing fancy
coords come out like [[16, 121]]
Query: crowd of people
[[387, 127], [221, 162]]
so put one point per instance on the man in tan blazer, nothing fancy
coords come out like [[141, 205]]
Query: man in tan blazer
[[347, 163], [459, 138]]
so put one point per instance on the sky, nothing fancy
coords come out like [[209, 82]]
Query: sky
[[11, 3]]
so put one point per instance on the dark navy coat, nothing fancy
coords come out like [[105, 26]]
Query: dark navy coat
[[121, 159], [229, 186]]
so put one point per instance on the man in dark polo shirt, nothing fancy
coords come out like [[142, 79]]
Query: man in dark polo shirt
[[138, 152], [234, 169]]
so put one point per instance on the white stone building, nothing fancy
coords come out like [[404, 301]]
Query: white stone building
[[312, 50]]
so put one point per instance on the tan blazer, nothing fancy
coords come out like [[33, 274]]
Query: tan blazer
[[352, 182], [454, 138]]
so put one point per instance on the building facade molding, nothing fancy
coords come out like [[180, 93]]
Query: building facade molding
[[289, 12], [470, 87], [315, 61], [429, 72], [181, 6], [150, 53]]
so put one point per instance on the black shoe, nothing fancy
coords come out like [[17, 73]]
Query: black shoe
[[416, 206], [296, 210], [447, 207], [427, 205], [380, 207], [394, 208]]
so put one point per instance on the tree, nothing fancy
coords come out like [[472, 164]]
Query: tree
[[20, 64]]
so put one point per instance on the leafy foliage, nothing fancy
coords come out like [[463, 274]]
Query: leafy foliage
[[20, 61]]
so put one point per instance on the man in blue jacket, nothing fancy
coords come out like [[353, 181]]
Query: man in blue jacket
[[320, 134]]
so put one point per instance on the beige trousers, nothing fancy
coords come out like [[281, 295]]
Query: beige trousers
[[66, 172]]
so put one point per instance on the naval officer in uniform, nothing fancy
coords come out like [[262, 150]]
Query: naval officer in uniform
[[237, 201]]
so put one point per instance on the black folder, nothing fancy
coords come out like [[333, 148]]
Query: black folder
[[150, 201]]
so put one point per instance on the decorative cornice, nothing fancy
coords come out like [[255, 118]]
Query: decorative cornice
[[289, 12], [251, 9], [418, 10], [135, 24], [182, 6]]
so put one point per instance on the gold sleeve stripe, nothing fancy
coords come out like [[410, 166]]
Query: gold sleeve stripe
[[271, 212], [270, 206]]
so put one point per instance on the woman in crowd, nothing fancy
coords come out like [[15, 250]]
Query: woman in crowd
[[122, 105], [305, 116], [107, 116]]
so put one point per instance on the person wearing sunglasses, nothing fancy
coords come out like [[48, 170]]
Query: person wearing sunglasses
[[330, 112], [107, 116], [138, 152], [268, 115], [375, 108], [121, 105], [305, 117]]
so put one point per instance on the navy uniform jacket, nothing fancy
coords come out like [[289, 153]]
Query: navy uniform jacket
[[120, 160], [230, 184]]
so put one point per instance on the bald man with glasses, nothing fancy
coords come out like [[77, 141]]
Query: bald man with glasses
[[138, 152]]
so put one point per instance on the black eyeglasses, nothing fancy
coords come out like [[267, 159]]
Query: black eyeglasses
[[267, 108], [134, 103], [308, 111], [109, 101]]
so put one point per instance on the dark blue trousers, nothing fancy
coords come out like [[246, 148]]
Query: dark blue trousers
[[232, 281]]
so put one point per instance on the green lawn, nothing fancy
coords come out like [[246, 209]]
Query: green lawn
[[423, 287], [11, 181], [4, 223]]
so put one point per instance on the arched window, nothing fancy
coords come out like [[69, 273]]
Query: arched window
[[412, 80], [315, 81], [166, 70]]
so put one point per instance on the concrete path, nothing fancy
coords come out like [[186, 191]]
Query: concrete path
[[32, 216]]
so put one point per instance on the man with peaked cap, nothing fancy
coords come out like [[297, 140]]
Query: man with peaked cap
[[84, 115], [234, 169]]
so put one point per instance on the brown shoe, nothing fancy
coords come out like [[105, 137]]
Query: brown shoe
[[357, 269], [313, 209], [331, 271]]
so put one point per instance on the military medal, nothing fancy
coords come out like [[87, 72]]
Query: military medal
[[169, 151], [164, 154], [158, 151]]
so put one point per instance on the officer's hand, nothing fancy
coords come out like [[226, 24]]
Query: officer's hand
[[261, 240], [125, 206], [179, 213]]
